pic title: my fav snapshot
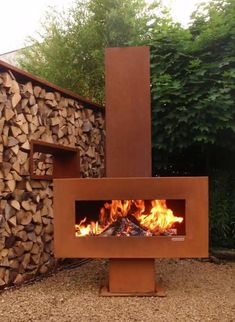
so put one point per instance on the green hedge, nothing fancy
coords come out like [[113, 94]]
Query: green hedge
[[222, 209]]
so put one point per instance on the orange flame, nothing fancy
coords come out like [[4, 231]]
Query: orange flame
[[92, 228], [159, 220]]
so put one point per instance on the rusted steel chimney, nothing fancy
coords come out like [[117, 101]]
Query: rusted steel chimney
[[128, 112], [128, 147]]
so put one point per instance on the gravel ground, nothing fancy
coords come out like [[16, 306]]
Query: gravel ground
[[196, 291]]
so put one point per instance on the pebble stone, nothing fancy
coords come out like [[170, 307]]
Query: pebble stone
[[196, 291]]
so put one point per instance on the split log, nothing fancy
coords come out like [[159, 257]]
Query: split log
[[32, 236], [22, 138], [9, 113], [28, 87], [11, 185], [7, 80], [27, 245], [22, 235], [26, 260], [19, 279], [15, 99], [2, 122], [22, 157], [24, 218], [25, 146], [12, 221], [37, 91], [14, 264], [31, 112], [15, 149], [18, 249], [38, 229], [15, 204], [2, 185]]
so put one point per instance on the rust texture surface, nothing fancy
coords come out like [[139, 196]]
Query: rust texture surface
[[131, 276], [128, 113], [194, 190]]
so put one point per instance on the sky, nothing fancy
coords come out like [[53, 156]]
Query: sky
[[21, 18]]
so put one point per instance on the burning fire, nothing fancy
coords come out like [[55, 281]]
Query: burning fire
[[129, 218]]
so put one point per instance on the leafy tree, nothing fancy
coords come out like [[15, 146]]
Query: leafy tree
[[193, 89], [193, 74], [71, 50]]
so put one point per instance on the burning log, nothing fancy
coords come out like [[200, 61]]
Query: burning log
[[135, 229], [124, 227], [131, 218], [112, 228]]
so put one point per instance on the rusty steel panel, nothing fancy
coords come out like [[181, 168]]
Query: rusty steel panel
[[194, 190], [128, 112], [132, 276]]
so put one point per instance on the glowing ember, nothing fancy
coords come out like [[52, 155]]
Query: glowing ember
[[129, 218]]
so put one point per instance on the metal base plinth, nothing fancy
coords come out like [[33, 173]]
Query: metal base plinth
[[131, 275], [159, 291]]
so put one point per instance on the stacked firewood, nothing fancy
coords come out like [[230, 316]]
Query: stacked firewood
[[42, 164], [27, 112]]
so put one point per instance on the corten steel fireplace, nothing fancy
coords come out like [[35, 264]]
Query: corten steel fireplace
[[123, 202]]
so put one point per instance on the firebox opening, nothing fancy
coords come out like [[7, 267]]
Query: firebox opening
[[130, 217]]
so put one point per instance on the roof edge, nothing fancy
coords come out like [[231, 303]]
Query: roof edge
[[26, 76]]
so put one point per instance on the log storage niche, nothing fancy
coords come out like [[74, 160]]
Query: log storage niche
[[65, 160], [130, 217], [41, 127]]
